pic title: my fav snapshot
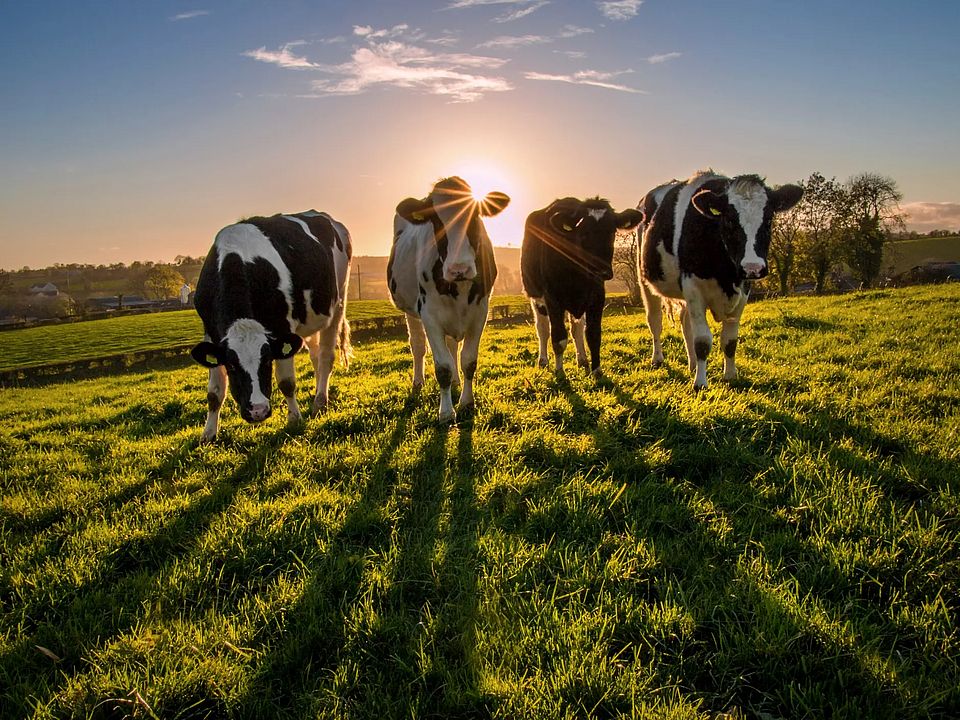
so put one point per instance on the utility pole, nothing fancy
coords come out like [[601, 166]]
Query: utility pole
[[359, 291]]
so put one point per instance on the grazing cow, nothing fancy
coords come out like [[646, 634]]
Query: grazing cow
[[269, 285], [705, 239], [440, 273], [567, 255]]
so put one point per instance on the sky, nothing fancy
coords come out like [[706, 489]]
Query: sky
[[136, 129]]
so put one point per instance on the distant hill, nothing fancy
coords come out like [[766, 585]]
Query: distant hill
[[905, 254]]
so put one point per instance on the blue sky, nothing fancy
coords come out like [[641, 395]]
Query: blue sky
[[135, 130]]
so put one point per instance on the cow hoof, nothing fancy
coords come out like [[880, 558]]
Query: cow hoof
[[584, 364], [466, 409], [294, 419], [319, 408], [417, 385], [697, 389], [543, 363], [656, 364], [448, 419], [207, 439]]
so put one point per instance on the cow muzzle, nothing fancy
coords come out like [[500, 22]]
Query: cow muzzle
[[459, 272], [256, 412], [754, 271]]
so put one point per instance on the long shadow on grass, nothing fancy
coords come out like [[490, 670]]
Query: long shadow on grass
[[71, 621], [769, 607], [395, 634]]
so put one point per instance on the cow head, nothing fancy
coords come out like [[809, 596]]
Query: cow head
[[744, 211], [247, 352], [457, 225], [589, 228]]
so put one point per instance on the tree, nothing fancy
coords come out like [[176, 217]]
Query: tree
[[786, 237], [625, 253], [820, 217], [872, 214], [162, 282], [6, 283]]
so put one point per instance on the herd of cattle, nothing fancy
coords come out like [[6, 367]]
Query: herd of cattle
[[273, 284]]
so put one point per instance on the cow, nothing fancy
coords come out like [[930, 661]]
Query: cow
[[566, 256], [440, 274], [705, 239], [268, 286]]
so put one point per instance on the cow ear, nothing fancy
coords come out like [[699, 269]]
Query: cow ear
[[286, 346], [629, 219], [415, 211], [785, 197], [207, 354], [493, 204], [709, 204]]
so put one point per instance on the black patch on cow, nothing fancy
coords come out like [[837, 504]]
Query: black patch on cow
[[213, 402], [469, 370], [393, 285], [423, 290], [659, 232], [541, 309], [702, 349], [444, 377], [730, 349], [426, 278], [443, 287], [287, 387], [419, 304]]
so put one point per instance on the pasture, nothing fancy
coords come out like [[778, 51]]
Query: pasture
[[785, 547]]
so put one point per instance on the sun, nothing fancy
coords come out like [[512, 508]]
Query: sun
[[483, 178]]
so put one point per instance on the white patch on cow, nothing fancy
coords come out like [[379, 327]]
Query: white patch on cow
[[246, 337], [248, 243], [714, 299], [661, 192], [749, 198], [598, 214], [455, 210]]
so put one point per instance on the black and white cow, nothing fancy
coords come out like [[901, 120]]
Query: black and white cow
[[567, 255], [440, 273], [269, 285], [705, 239]]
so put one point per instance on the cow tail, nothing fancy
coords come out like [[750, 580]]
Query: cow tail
[[343, 342], [674, 308]]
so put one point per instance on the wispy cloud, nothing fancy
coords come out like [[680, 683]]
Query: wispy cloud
[[932, 215], [657, 59], [572, 31], [588, 77], [512, 41], [521, 12], [457, 4], [189, 15], [368, 32], [572, 54], [619, 9], [455, 75], [282, 57]]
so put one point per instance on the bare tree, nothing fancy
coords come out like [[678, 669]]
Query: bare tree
[[786, 237], [625, 253]]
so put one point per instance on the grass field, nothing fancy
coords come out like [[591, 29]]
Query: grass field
[[49, 344], [786, 547], [905, 254]]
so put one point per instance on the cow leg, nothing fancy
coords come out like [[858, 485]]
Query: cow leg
[[686, 328], [653, 306], [702, 340], [443, 367], [577, 330], [558, 333], [323, 350], [543, 330], [216, 392], [418, 348], [453, 345], [594, 321], [729, 332], [469, 354], [287, 382]]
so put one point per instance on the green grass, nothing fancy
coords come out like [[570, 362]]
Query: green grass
[[50, 344], [785, 547]]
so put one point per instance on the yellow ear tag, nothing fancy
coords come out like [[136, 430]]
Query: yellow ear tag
[[714, 211], [212, 359], [567, 228], [417, 216], [287, 347]]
